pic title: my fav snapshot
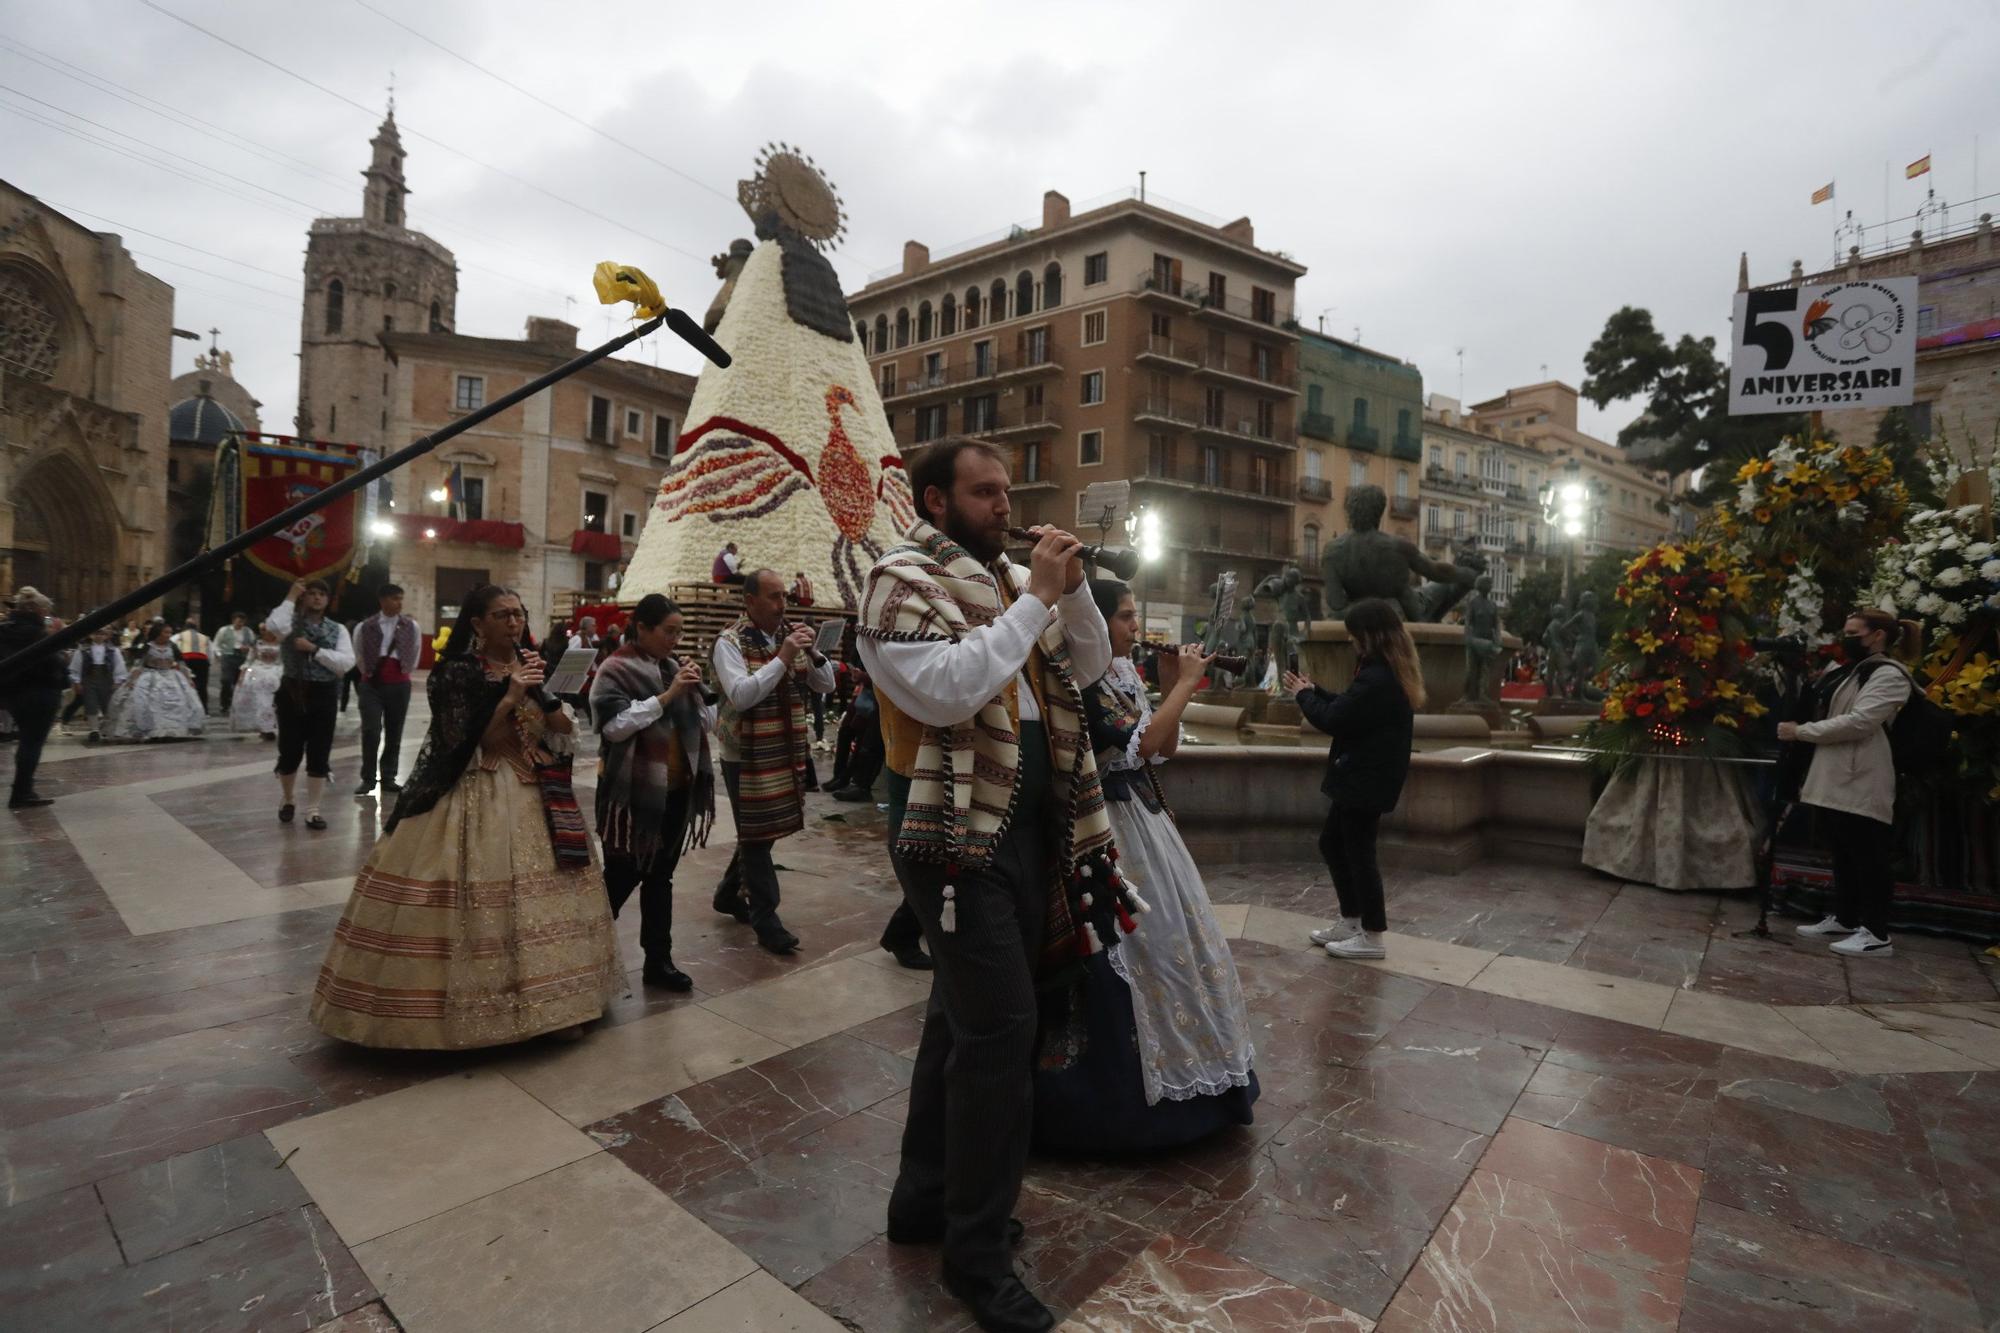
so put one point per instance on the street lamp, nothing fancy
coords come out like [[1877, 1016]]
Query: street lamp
[[1565, 505], [382, 528], [1142, 530]]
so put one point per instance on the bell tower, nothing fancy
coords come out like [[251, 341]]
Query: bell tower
[[368, 280]]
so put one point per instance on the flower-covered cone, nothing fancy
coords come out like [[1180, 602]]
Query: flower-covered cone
[[787, 451]]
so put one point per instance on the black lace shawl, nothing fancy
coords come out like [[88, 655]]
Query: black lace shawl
[[462, 701]]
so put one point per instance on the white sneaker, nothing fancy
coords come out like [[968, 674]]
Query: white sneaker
[[1864, 944], [1339, 929], [1826, 928], [1361, 944]]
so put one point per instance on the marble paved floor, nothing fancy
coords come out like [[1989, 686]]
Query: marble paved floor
[[1560, 1103]]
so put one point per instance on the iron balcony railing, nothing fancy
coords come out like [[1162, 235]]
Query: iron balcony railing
[[1320, 426], [1223, 483], [1315, 488], [1364, 437]]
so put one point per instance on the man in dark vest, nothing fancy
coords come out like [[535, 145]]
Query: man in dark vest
[[758, 662], [386, 647], [316, 652], [95, 671]]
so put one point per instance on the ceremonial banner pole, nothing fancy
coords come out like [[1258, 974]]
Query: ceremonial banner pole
[[681, 324]]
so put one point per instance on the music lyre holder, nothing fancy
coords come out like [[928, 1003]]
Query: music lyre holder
[[1780, 804], [687, 328]]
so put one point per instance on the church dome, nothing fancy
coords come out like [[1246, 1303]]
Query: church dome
[[200, 419]]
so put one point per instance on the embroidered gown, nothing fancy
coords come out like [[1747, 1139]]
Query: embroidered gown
[[254, 705], [463, 929], [1153, 1047], [157, 701]]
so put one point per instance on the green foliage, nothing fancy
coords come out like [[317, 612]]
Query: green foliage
[[1686, 388], [1529, 605]]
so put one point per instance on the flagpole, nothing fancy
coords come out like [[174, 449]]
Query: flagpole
[[213, 558]]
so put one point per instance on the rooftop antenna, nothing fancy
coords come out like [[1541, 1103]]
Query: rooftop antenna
[[1142, 187], [1461, 377], [1323, 314]]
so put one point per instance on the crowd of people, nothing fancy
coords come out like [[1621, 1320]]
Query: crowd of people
[[1084, 997]]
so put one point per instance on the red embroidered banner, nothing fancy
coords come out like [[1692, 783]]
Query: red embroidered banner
[[276, 477], [597, 545]]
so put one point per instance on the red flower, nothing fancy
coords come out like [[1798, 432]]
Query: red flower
[[1644, 710]]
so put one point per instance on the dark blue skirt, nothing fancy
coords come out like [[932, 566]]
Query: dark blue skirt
[[1090, 1095]]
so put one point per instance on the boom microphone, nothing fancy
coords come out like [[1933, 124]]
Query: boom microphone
[[692, 333]]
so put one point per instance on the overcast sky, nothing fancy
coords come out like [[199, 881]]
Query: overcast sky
[[1491, 177]]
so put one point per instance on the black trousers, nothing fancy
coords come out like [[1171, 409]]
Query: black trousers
[[232, 667], [1863, 881], [34, 712], [383, 708], [655, 883], [965, 1143], [1347, 844], [198, 667], [307, 711], [752, 865]]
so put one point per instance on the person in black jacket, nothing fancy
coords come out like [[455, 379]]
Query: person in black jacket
[[1371, 724], [33, 693]]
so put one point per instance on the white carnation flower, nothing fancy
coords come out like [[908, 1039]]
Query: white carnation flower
[[1924, 547], [1951, 577], [1951, 613], [1746, 496], [1967, 511], [1925, 516], [1990, 571], [1929, 604], [1979, 551], [1909, 591], [1951, 541]]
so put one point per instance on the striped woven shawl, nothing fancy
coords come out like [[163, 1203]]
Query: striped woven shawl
[[771, 740]]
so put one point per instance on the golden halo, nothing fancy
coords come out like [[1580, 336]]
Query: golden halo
[[790, 184]]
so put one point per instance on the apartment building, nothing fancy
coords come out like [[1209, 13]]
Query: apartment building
[[1484, 487], [1130, 340], [1361, 421]]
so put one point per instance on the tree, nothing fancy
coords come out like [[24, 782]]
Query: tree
[[1534, 597], [1686, 388]]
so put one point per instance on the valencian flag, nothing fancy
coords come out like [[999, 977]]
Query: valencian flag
[[1920, 167], [260, 476], [1823, 193]]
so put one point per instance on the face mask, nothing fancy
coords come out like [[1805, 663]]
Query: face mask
[[1852, 647]]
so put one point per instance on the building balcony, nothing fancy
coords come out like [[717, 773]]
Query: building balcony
[[1317, 489], [1407, 448], [1245, 371], [1155, 350], [1193, 479], [1364, 437], [1025, 424], [1402, 506], [1157, 287], [1244, 430], [1271, 321], [1320, 426], [1028, 365], [1032, 484], [1166, 411], [1242, 544], [1463, 483]]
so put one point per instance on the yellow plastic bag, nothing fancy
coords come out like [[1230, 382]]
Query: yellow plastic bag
[[622, 282]]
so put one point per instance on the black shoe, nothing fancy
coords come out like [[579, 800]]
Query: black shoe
[[367, 787], [1000, 1304], [667, 977], [315, 823], [285, 813], [930, 1233], [728, 900], [28, 802], [853, 794], [392, 787], [912, 957], [778, 940]]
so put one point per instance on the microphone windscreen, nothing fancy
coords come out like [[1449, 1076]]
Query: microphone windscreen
[[696, 337]]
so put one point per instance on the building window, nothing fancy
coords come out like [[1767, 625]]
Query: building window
[[903, 328], [1314, 460], [1263, 305], [635, 424], [666, 433], [981, 413], [948, 316], [473, 504], [1214, 407], [1315, 400], [437, 318], [889, 380], [596, 511], [388, 323], [1093, 388], [471, 395], [1163, 327], [1035, 347], [982, 358], [1212, 473], [933, 369], [1437, 458], [336, 305], [1402, 423], [628, 526], [923, 321], [1031, 462], [1357, 472], [1024, 293], [388, 291], [1402, 483], [996, 301], [1267, 419], [1263, 363], [1096, 268], [1093, 328], [1052, 286], [931, 424], [971, 309], [1159, 455], [1926, 319], [1460, 464], [881, 333], [600, 420], [861, 335], [1218, 289], [1090, 448], [1309, 543], [1360, 414], [1433, 519]]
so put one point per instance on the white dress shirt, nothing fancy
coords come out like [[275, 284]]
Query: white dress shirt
[[338, 659], [942, 684], [103, 654], [643, 713], [745, 689]]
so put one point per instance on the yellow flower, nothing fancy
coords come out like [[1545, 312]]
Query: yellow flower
[[1673, 557], [1752, 708], [1647, 643], [1726, 689]]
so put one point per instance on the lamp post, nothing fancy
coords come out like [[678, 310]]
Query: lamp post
[[1142, 531], [1564, 506]]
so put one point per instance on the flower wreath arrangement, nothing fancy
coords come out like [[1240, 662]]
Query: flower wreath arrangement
[[1675, 676]]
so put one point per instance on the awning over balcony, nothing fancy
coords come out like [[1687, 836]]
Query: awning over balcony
[[467, 531], [597, 545]]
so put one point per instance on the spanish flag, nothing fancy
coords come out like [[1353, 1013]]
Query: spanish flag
[[1920, 167], [1823, 193]]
